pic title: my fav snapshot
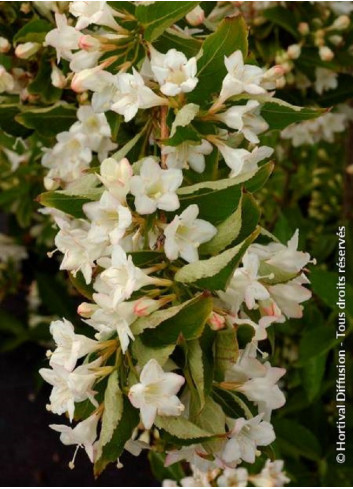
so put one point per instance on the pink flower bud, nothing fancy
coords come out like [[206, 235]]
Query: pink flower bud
[[303, 28], [326, 54], [85, 309], [196, 16], [216, 321], [88, 43], [5, 46], [145, 306], [294, 51]]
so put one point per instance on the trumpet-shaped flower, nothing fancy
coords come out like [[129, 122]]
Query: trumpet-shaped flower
[[64, 38], [244, 439], [70, 387], [246, 119], [120, 279], [271, 475], [155, 188], [240, 160], [187, 155], [240, 78], [84, 434], [186, 233], [132, 94], [173, 71], [99, 13], [69, 345], [156, 393], [109, 219], [116, 176]]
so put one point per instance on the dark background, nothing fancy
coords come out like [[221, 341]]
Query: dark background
[[31, 454]]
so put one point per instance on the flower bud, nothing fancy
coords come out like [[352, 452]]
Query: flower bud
[[274, 73], [88, 43], [326, 54], [281, 82], [26, 50], [342, 22], [319, 38], [145, 306], [196, 16], [88, 79], [303, 28], [85, 309], [58, 78], [294, 51], [5, 46], [336, 40], [216, 321]]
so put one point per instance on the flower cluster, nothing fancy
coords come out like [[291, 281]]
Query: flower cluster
[[159, 237]]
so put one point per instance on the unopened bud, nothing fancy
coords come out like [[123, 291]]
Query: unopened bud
[[88, 43], [342, 22], [5, 46], [85, 309], [303, 28], [58, 78], [145, 306], [274, 73], [26, 50], [281, 82], [88, 79], [196, 16], [326, 54], [319, 38], [216, 321], [294, 51], [336, 40]]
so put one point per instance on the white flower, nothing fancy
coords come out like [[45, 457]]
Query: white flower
[[155, 188], [194, 454], [116, 176], [79, 253], [109, 219], [187, 155], [98, 13], [114, 320], [246, 119], [240, 160], [245, 285], [69, 346], [7, 82], [95, 79], [132, 94], [64, 38], [186, 233], [271, 475], [156, 393], [173, 71], [240, 78], [285, 258], [84, 434], [196, 16], [325, 80], [70, 387], [83, 60], [233, 478], [244, 439], [119, 280], [288, 296]]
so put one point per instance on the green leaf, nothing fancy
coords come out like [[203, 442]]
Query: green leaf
[[196, 367], [113, 411], [231, 35], [227, 232], [178, 40], [296, 440], [312, 375], [157, 461], [143, 353], [8, 123], [226, 351], [316, 342], [182, 135], [279, 114], [114, 448], [185, 115], [182, 429], [214, 205], [324, 284], [145, 257], [189, 323], [156, 18], [122, 152], [214, 273], [33, 31], [54, 296], [283, 17], [48, 121], [70, 204]]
